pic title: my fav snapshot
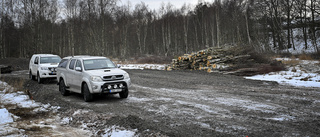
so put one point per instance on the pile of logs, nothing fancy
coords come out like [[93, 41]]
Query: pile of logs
[[211, 59]]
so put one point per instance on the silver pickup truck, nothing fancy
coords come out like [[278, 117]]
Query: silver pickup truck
[[90, 75]]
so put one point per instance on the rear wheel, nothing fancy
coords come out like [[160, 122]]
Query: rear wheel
[[124, 94], [39, 78], [62, 88], [87, 96]]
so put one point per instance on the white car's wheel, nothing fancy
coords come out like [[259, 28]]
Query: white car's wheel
[[87, 96], [32, 77], [62, 88], [124, 94], [39, 79]]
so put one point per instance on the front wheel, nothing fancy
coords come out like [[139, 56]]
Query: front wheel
[[62, 88], [124, 94], [87, 96], [39, 78], [31, 76]]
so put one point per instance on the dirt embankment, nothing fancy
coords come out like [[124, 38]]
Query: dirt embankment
[[16, 63]]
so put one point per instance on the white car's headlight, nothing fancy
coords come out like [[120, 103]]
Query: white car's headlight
[[44, 68], [126, 76], [96, 79]]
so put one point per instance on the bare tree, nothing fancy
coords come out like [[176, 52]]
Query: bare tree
[[313, 10], [140, 15]]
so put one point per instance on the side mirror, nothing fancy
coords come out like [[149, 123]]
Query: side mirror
[[78, 69], [36, 62], [119, 66]]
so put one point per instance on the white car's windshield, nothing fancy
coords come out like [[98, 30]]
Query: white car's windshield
[[52, 59], [92, 64]]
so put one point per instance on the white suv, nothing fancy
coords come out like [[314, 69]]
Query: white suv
[[90, 75], [43, 66]]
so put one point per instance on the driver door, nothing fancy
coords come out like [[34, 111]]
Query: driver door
[[77, 77]]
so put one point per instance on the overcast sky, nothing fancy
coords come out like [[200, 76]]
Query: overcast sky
[[155, 4]]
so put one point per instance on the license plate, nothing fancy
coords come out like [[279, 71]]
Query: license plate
[[115, 90]]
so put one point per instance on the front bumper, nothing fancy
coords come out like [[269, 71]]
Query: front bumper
[[47, 74], [110, 86]]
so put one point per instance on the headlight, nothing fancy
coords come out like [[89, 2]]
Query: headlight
[[44, 68], [126, 76], [96, 78]]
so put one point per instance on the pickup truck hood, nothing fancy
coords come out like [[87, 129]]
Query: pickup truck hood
[[49, 65], [106, 72]]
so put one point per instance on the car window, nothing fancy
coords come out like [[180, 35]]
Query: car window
[[72, 62], [92, 64], [63, 63], [36, 60], [78, 64], [51, 59]]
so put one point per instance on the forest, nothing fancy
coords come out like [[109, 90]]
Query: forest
[[108, 28]]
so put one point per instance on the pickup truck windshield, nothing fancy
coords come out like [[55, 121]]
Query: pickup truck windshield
[[54, 59], [92, 64]]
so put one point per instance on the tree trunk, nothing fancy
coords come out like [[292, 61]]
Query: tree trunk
[[247, 26], [185, 32], [288, 23], [218, 25], [312, 26]]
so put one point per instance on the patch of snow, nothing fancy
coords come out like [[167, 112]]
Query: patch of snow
[[282, 118], [295, 75], [135, 99], [248, 104], [205, 125], [80, 112], [143, 66], [66, 120], [199, 106], [5, 116], [115, 131]]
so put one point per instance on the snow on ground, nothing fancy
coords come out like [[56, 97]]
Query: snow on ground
[[300, 75], [143, 66], [298, 43], [115, 131], [19, 100]]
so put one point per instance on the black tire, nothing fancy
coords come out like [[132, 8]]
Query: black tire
[[62, 88], [40, 80], [87, 96], [32, 77], [124, 94]]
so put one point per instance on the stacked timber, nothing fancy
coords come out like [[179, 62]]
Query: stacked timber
[[212, 59]]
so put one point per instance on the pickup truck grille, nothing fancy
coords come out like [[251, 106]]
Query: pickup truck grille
[[113, 77], [52, 69]]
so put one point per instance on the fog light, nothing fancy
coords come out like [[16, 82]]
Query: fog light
[[95, 87], [115, 86], [121, 85], [109, 87]]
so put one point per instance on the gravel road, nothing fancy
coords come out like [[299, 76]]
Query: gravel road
[[193, 103]]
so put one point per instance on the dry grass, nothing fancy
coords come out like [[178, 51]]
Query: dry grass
[[16, 84], [305, 57], [291, 61], [267, 68]]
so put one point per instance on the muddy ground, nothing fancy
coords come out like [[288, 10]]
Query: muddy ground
[[190, 103]]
